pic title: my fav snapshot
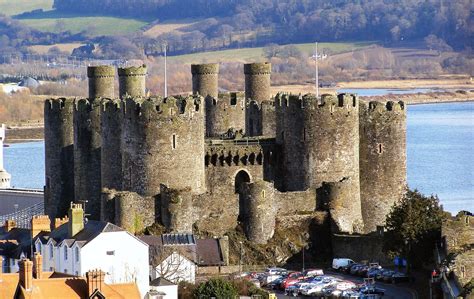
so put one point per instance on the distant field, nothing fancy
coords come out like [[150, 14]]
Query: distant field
[[43, 49], [14, 7], [100, 25], [256, 54], [168, 26]]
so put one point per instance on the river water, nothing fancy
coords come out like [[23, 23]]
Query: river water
[[440, 155]]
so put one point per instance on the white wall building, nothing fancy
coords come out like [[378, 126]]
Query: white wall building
[[175, 268], [5, 177]]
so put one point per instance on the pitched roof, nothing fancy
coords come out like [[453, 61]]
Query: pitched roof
[[178, 239], [209, 252], [160, 281]]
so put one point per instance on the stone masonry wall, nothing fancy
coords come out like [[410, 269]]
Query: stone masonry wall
[[132, 81], [224, 113]]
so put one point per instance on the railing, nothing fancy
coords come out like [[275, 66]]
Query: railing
[[242, 141], [23, 217]]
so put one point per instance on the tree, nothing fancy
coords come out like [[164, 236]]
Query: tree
[[217, 288], [413, 226], [438, 44]]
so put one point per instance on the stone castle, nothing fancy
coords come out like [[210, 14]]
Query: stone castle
[[210, 161]]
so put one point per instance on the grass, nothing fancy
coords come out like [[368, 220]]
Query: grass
[[43, 49], [256, 54], [99, 25], [168, 26], [14, 7]]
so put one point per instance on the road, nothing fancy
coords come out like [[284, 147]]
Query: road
[[392, 291]]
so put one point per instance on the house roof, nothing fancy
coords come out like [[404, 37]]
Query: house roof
[[29, 82], [91, 230], [209, 252], [15, 242], [160, 281], [178, 239]]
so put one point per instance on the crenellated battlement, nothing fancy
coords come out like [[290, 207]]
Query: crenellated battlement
[[102, 71], [58, 104], [170, 107], [111, 105], [233, 155], [132, 71], [310, 101], [83, 105], [228, 99], [205, 69], [264, 68], [381, 107]]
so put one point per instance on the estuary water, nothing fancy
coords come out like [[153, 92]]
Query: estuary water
[[440, 155]]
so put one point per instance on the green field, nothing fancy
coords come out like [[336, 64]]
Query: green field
[[99, 25], [14, 7], [256, 54]]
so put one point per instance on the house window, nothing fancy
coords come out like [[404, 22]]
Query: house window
[[111, 252], [65, 252], [51, 251], [77, 253], [38, 247]]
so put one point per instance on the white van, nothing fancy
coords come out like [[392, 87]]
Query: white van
[[341, 262]]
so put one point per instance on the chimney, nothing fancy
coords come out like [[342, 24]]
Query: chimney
[[9, 225], [95, 280], [26, 274], [38, 265], [1, 264], [76, 219], [40, 223], [60, 221]]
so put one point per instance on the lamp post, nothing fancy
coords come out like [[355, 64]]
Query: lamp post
[[240, 259]]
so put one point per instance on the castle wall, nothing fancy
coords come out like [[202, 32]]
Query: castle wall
[[163, 143], [359, 248], [132, 81], [224, 113], [101, 81], [260, 118], [111, 156], [59, 156], [205, 79], [87, 153], [291, 203], [382, 159]]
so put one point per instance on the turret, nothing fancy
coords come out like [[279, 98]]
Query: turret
[[59, 156], [257, 91], [205, 79], [227, 112], [132, 81], [382, 159], [163, 143], [101, 81], [87, 154]]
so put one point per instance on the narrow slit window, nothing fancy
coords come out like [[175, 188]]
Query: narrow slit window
[[379, 148], [174, 141]]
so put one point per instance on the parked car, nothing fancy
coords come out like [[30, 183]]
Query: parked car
[[400, 277], [362, 271], [276, 271], [339, 263], [372, 290], [372, 273], [313, 272], [387, 275], [355, 268]]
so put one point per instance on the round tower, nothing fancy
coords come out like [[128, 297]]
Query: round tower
[[132, 81], [177, 210], [87, 153], [257, 81], [59, 156], [382, 159], [205, 79], [101, 81], [260, 214], [163, 143], [227, 112], [5, 177]]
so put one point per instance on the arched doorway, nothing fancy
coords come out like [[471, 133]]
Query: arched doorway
[[241, 178]]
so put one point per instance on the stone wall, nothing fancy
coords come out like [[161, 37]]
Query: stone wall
[[132, 81], [101, 81], [205, 79], [224, 113], [382, 159], [59, 156], [111, 154], [87, 153], [359, 248]]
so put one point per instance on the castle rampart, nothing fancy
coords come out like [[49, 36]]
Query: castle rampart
[[225, 114], [87, 154], [101, 81], [382, 159], [59, 156], [205, 79], [132, 81]]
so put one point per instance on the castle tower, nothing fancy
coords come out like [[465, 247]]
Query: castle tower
[[205, 79], [101, 81], [382, 159], [132, 81], [87, 154], [257, 89], [5, 177], [177, 210], [320, 142], [111, 154], [260, 214], [59, 156], [163, 143], [224, 113]]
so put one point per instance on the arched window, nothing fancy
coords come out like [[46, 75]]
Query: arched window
[[76, 252], [65, 252]]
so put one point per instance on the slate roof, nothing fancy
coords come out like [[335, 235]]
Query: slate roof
[[160, 281], [22, 238], [178, 239], [209, 252]]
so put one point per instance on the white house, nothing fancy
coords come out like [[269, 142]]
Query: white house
[[162, 288], [77, 247], [175, 268]]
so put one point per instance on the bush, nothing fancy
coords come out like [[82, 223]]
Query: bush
[[216, 287]]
